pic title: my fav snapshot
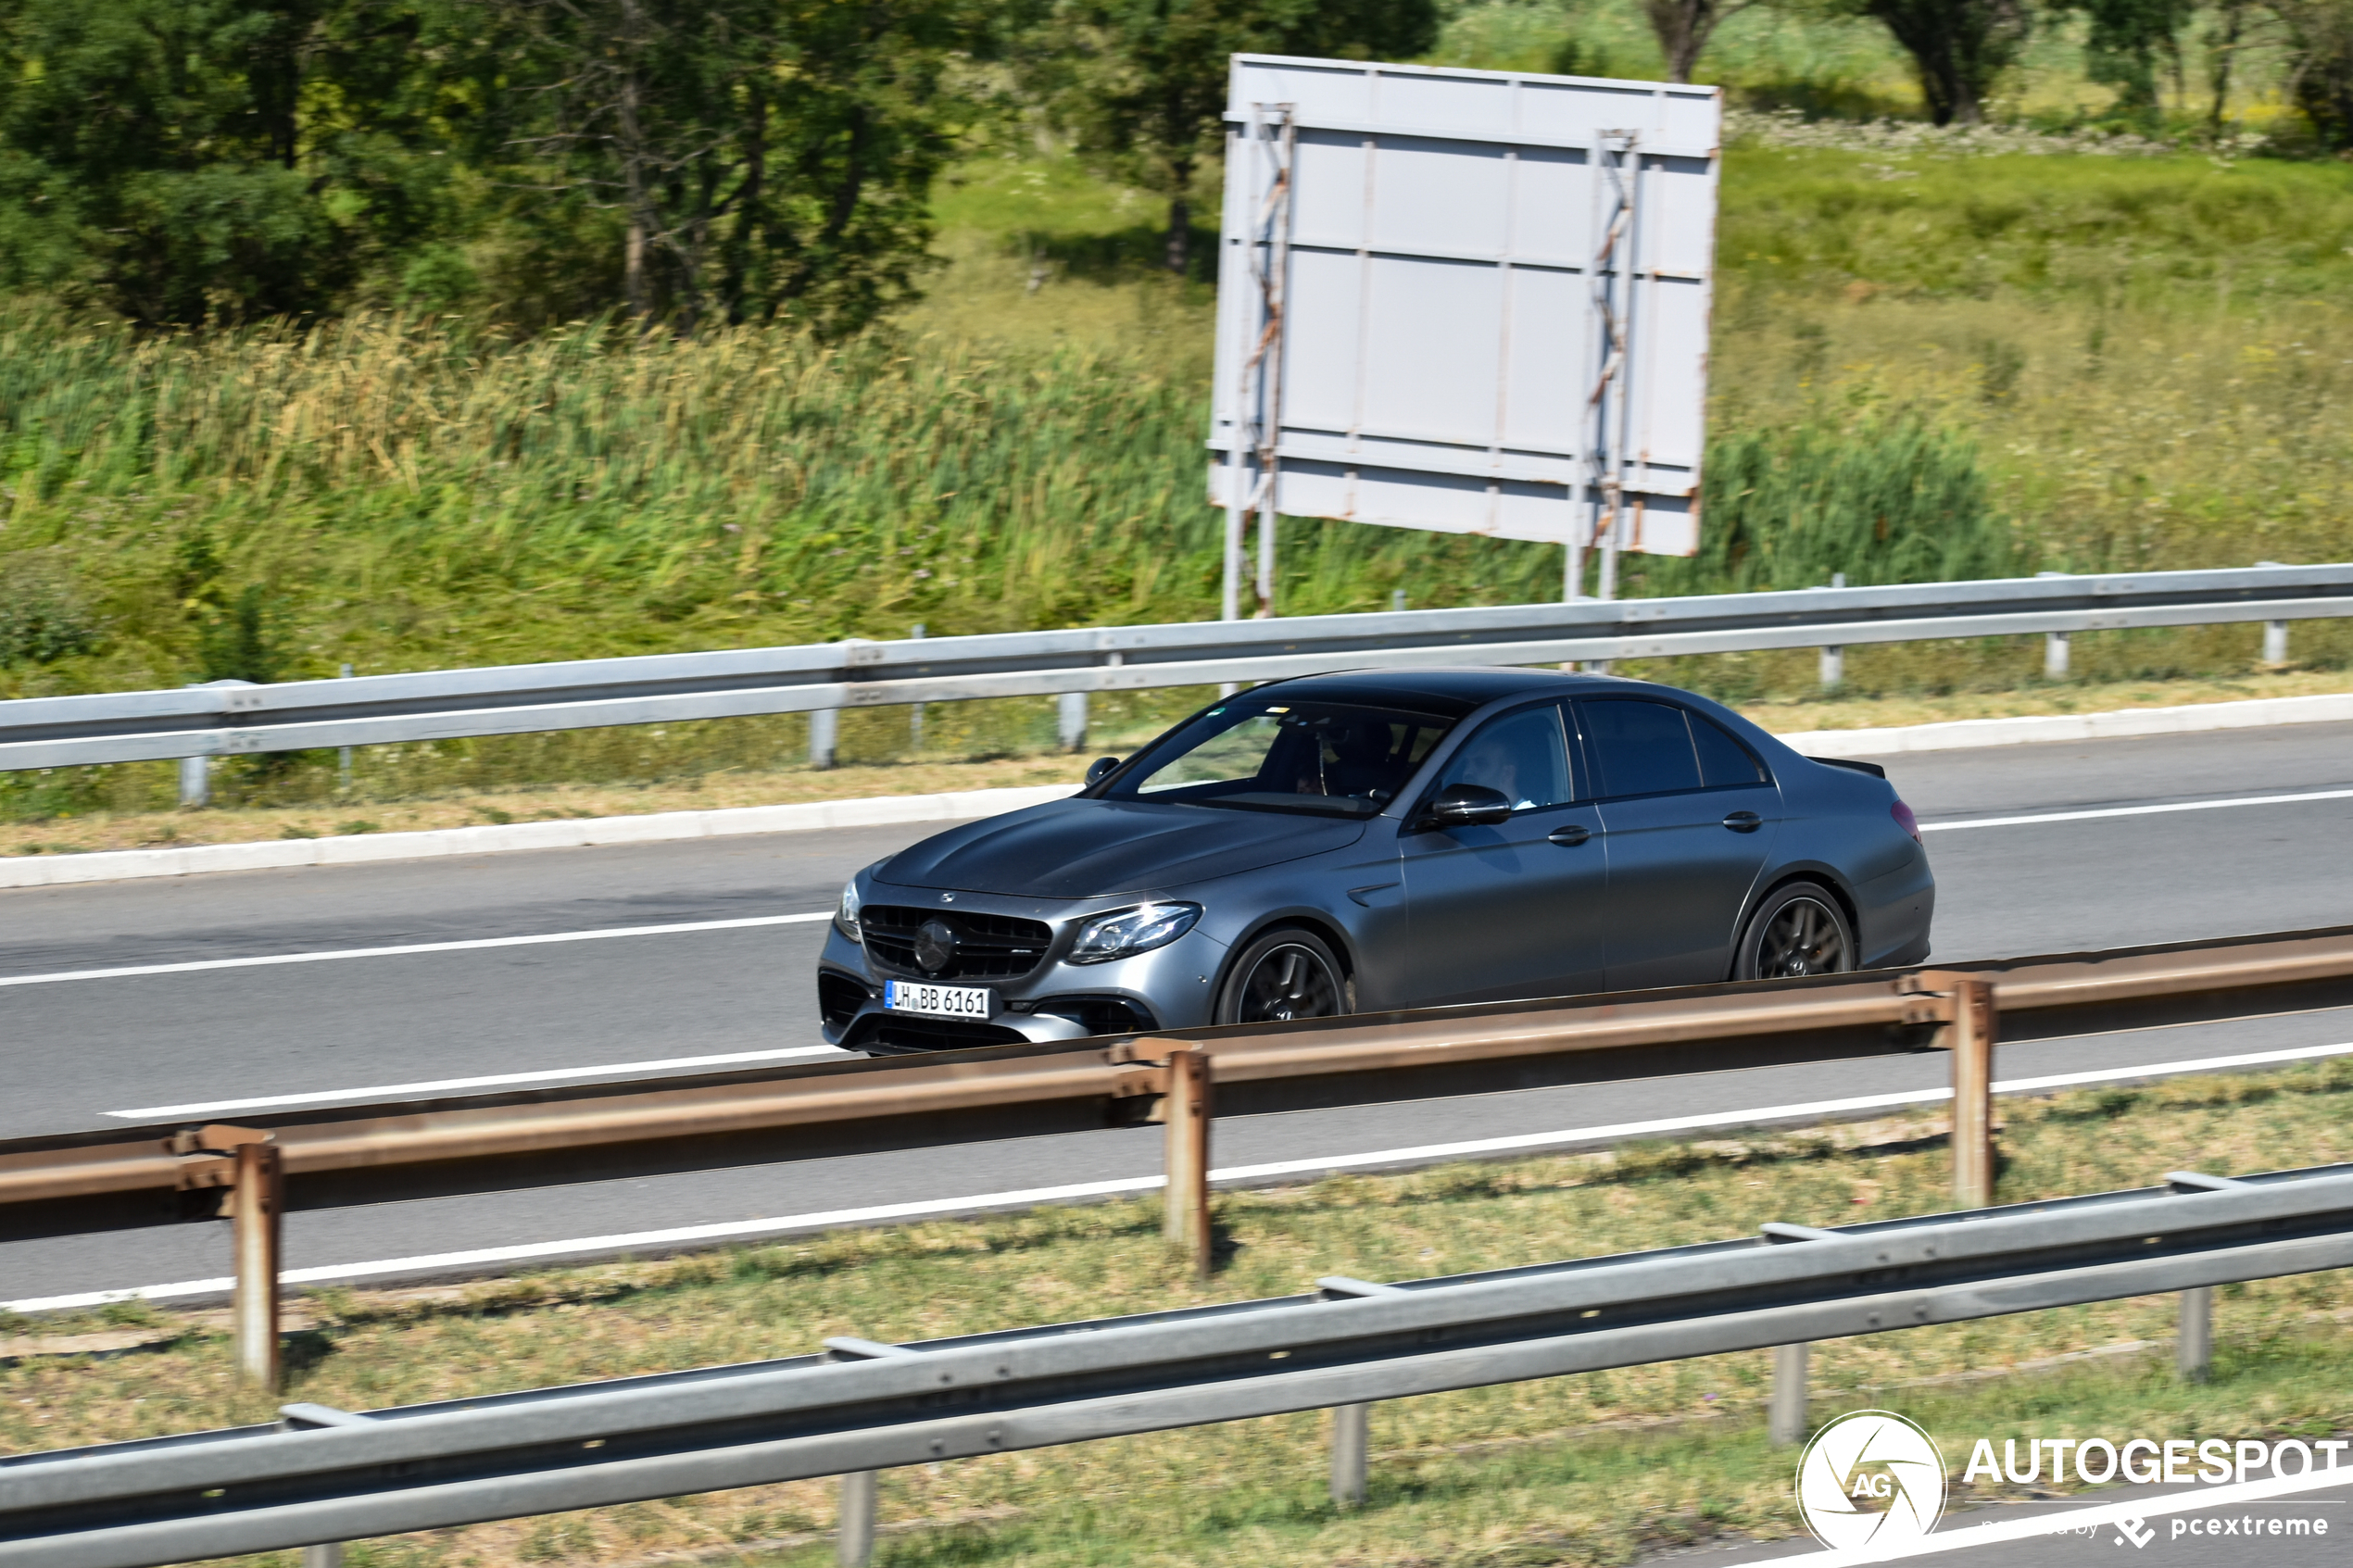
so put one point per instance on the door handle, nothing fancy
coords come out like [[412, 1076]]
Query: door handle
[[1570, 835], [1744, 821]]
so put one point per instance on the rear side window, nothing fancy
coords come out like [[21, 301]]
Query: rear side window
[[1522, 754], [1723, 759], [1640, 747]]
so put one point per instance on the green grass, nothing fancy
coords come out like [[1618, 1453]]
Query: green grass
[[1570, 1470], [1936, 362]]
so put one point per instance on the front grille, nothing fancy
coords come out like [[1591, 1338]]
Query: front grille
[[885, 1034], [988, 946]]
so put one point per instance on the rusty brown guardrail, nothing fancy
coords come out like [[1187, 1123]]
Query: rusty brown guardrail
[[362, 1154]]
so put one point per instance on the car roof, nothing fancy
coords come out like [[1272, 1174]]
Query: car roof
[[1451, 691]]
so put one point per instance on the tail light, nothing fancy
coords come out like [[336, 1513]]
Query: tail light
[[1904, 819]]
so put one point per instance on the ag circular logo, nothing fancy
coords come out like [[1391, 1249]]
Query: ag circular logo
[[1870, 1478]]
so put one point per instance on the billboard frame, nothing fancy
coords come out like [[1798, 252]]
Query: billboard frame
[[1487, 202]]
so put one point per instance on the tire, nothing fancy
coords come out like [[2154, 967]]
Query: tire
[[1283, 975], [1798, 930]]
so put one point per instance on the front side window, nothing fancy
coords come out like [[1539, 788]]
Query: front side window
[[1271, 755], [1523, 755]]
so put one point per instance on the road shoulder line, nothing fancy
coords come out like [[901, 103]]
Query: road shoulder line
[[1961, 734], [124, 865]]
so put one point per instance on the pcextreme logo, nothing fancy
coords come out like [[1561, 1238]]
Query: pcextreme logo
[[1870, 1478]]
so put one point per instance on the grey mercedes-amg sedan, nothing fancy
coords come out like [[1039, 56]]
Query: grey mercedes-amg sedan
[[1375, 840]]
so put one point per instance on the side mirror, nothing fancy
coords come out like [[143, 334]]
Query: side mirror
[[1464, 803], [1101, 769]]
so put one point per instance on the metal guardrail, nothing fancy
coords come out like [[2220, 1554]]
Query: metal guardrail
[[251, 1174], [326, 1475], [73, 1183], [230, 719]]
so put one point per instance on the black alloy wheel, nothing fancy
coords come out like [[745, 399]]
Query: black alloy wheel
[[1285, 974], [1800, 930]]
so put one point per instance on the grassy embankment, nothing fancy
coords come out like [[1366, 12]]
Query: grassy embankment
[[1576, 1470], [2091, 361]]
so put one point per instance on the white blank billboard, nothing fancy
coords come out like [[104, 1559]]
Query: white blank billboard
[[1440, 347]]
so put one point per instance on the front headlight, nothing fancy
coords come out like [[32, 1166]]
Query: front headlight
[[846, 917], [1126, 933]]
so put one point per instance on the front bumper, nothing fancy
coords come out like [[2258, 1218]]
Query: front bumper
[[1169, 987]]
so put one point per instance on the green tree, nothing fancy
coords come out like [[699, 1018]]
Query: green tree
[[1142, 83], [2125, 42], [1957, 47], [747, 158], [2225, 36], [1683, 28], [190, 161], [2319, 72]]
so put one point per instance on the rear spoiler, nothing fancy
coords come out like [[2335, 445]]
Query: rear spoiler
[[1854, 764]]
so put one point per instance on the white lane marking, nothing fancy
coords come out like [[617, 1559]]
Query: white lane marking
[[378, 1091], [1957, 1536], [733, 1229], [1764, 1113], [473, 945], [133, 971], [741, 1230], [2136, 810]]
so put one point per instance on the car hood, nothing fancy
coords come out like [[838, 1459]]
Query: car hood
[[1087, 848]]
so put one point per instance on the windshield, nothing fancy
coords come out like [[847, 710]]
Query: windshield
[[1273, 755]]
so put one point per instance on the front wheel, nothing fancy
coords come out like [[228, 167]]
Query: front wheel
[[1799, 930], [1285, 974]]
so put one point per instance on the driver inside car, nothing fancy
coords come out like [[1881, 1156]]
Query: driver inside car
[[1521, 757]]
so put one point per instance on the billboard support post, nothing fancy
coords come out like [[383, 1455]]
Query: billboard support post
[[1616, 177], [1249, 479]]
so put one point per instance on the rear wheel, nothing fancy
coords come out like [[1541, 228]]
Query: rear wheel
[[1285, 974], [1799, 930]]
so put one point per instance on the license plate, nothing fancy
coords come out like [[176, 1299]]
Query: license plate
[[937, 1001]]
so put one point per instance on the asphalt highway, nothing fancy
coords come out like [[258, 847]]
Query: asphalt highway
[[188, 1036]]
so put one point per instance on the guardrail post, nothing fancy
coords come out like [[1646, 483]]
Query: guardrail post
[[1970, 1037], [2054, 656], [916, 713], [1185, 1108], [1962, 1008], [823, 723], [1785, 1415], [256, 1203], [1351, 1444], [1070, 721], [854, 1540], [2275, 642], [343, 783], [2194, 1346]]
